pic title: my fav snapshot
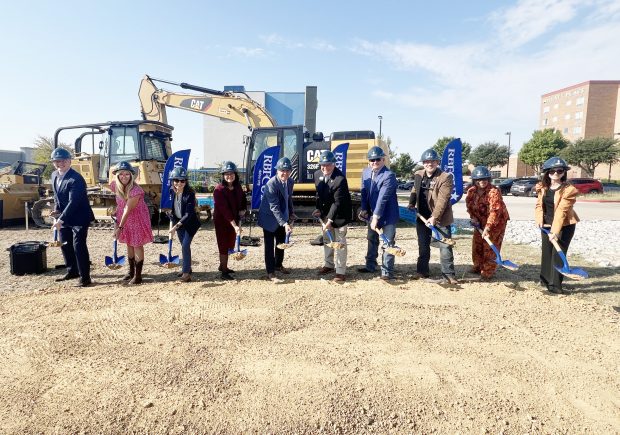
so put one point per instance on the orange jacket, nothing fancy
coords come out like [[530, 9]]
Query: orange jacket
[[563, 214], [489, 208]]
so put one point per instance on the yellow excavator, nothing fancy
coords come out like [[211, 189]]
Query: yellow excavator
[[20, 186]]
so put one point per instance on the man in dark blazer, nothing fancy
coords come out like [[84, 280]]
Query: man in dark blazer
[[380, 208], [333, 207], [275, 215], [73, 215]]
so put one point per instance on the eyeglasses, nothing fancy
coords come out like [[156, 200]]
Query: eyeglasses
[[556, 171], [374, 160], [178, 181]]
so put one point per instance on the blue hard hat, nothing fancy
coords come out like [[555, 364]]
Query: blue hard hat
[[375, 153], [60, 154], [228, 167], [327, 157], [429, 154], [124, 166], [178, 173], [554, 162], [284, 164], [480, 173]]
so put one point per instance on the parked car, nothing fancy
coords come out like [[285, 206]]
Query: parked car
[[466, 185], [524, 186], [611, 187], [406, 186], [586, 185], [503, 184]]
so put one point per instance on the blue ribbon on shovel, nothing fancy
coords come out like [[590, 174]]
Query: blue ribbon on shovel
[[237, 253], [169, 261], [498, 258], [574, 273]]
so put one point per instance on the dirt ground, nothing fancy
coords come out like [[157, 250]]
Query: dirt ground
[[307, 355]]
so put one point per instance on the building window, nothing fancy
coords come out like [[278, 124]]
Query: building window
[[567, 116], [577, 130], [554, 119], [496, 174], [565, 130], [579, 101], [546, 109], [545, 122], [569, 102], [578, 115]]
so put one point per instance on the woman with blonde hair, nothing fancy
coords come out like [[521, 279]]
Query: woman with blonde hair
[[133, 220]]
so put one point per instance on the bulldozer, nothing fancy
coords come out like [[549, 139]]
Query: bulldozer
[[20, 186]]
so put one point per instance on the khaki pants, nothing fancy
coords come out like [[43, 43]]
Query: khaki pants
[[340, 263]]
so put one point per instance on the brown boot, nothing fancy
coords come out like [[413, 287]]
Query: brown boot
[[137, 279], [132, 269]]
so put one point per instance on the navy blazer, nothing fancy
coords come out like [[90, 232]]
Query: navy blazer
[[273, 211], [189, 220], [71, 200], [379, 196]]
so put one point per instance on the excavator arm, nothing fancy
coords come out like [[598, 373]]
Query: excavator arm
[[224, 105]]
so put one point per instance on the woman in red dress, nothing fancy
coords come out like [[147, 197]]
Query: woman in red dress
[[133, 220], [489, 213], [229, 204]]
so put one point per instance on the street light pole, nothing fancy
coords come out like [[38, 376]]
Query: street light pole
[[380, 120], [509, 134]]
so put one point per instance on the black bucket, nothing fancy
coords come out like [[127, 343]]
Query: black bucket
[[28, 257]]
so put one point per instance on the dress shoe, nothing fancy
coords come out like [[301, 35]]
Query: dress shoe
[[386, 278], [450, 279], [67, 277], [273, 278], [180, 274], [364, 270], [474, 270], [325, 270], [83, 283], [227, 270], [339, 278], [419, 275], [185, 277], [283, 270], [226, 276]]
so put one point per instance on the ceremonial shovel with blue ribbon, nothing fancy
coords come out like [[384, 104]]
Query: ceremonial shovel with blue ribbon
[[237, 253], [498, 258], [170, 261], [115, 262], [574, 273]]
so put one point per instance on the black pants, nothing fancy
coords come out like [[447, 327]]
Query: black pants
[[425, 241], [273, 255], [75, 251], [548, 274]]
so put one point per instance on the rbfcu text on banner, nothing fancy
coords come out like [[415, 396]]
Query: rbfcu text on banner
[[452, 162], [180, 158], [264, 169]]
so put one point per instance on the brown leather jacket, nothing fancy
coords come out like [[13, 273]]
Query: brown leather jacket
[[439, 198], [563, 214]]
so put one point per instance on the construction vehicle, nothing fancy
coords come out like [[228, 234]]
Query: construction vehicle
[[146, 144], [20, 186], [296, 143]]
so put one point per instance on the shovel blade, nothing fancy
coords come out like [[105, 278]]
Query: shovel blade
[[574, 273], [231, 251], [509, 265], [121, 261], [109, 261], [163, 259]]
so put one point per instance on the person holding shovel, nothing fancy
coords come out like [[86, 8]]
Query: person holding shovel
[[334, 209], [380, 209], [275, 216], [72, 216], [430, 197], [230, 206], [183, 217], [488, 212], [133, 220], [554, 210]]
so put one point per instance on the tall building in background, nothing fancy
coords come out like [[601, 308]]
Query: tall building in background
[[223, 139]]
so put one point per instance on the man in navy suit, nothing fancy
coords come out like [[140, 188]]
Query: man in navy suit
[[73, 215], [380, 208], [274, 216]]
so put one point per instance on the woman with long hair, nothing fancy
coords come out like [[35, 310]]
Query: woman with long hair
[[554, 211], [230, 205], [184, 218], [133, 220]]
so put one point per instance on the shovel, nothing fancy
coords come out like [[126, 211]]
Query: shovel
[[287, 243], [394, 250], [498, 258], [55, 243], [436, 234], [575, 273], [332, 244], [115, 262], [169, 261], [237, 253]]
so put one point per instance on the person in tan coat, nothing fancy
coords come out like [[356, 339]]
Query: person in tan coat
[[430, 197], [554, 210]]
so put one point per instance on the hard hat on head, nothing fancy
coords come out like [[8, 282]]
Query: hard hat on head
[[554, 162], [375, 153], [124, 166], [178, 173], [327, 157], [228, 167], [284, 164], [480, 173], [429, 154], [60, 154]]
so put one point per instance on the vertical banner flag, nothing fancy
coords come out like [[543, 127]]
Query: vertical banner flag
[[341, 157], [264, 169], [180, 158], [452, 162]]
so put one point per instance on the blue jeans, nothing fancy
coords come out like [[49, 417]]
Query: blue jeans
[[425, 241], [186, 250], [387, 264]]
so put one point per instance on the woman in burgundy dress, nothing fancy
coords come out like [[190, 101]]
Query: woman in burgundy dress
[[229, 204], [133, 220]]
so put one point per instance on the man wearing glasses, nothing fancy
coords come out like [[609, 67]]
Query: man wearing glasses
[[380, 209]]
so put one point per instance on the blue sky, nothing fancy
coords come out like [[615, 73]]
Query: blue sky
[[474, 70]]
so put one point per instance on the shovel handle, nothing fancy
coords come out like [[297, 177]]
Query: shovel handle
[[238, 242], [557, 247]]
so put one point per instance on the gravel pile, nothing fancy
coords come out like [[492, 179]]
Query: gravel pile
[[596, 240]]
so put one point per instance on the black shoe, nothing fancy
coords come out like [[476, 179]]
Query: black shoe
[[67, 277], [318, 241], [364, 270], [85, 283], [220, 269], [226, 276]]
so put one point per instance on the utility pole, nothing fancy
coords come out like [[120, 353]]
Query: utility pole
[[509, 134], [380, 120]]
